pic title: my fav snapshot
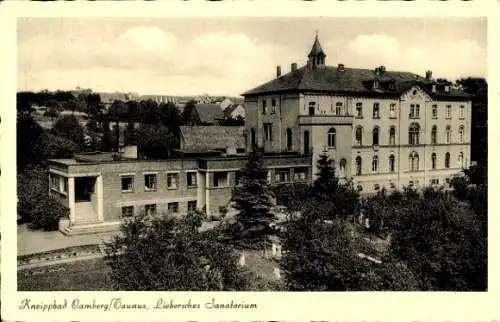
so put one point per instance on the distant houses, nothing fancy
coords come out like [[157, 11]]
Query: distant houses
[[234, 111]]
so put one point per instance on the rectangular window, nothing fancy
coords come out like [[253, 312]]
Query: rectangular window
[[434, 111], [462, 111], [434, 181], [414, 111], [448, 111], [64, 185], [264, 107], [312, 108], [282, 175], [220, 179], [273, 106], [127, 211], [191, 206], [54, 182], [338, 108], [191, 179], [150, 209], [359, 109], [376, 110], [268, 131], [300, 174], [172, 179], [127, 184], [150, 182], [392, 111], [173, 207]]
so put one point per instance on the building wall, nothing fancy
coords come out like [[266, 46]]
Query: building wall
[[294, 113]]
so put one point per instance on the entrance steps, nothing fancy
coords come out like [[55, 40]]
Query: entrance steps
[[89, 227]]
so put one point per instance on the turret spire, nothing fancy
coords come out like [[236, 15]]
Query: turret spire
[[317, 55]]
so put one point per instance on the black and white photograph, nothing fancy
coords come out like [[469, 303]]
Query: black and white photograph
[[252, 154], [237, 154]]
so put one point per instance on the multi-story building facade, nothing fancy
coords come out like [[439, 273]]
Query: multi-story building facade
[[381, 128], [101, 189]]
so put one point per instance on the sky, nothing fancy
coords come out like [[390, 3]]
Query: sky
[[228, 56]]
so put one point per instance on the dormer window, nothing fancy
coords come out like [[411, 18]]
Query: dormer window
[[392, 85], [375, 83]]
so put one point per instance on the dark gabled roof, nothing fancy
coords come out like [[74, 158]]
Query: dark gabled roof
[[209, 138], [209, 113], [349, 80]]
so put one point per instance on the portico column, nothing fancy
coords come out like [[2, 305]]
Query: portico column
[[99, 192], [207, 193], [71, 200]]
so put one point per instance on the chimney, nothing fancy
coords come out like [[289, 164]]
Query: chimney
[[341, 68], [278, 71], [130, 152], [294, 67], [428, 75]]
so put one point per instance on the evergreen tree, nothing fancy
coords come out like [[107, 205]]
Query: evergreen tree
[[252, 199], [341, 197]]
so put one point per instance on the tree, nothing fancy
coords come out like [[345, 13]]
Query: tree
[[130, 134], [28, 139], [170, 117], [154, 141], [479, 88], [149, 112], [162, 253], [341, 197], [106, 140], [188, 114], [442, 242], [252, 200], [320, 256], [68, 127]]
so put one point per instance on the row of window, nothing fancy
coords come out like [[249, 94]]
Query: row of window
[[413, 162], [413, 135], [414, 113], [411, 183], [150, 181], [151, 209], [220, 179]]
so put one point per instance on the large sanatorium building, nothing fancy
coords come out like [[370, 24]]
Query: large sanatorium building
[[383, 129]]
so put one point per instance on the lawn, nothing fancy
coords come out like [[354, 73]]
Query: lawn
[[84, 275]]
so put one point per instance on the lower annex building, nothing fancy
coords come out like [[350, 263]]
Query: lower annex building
[[383, 129]]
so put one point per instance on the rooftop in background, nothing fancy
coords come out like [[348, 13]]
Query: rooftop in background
[[206, 138], [209, 113]]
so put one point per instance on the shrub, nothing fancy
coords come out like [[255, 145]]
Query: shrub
[[47, 213]]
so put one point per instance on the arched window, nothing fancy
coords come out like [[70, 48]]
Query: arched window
[[342, 166], [253, 140], [358, 166], [331, 137], [433, 158], [461, 160], [414, 161], [306, 142], [434, 134], [447, 160], [392, 161], [288, 139], [359, 135], [392, 135], [461, 134], [414, 134], [375, 136], [375, 164], [448, 134]]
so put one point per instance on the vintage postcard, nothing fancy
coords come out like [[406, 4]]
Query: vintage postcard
[[248, 161]]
